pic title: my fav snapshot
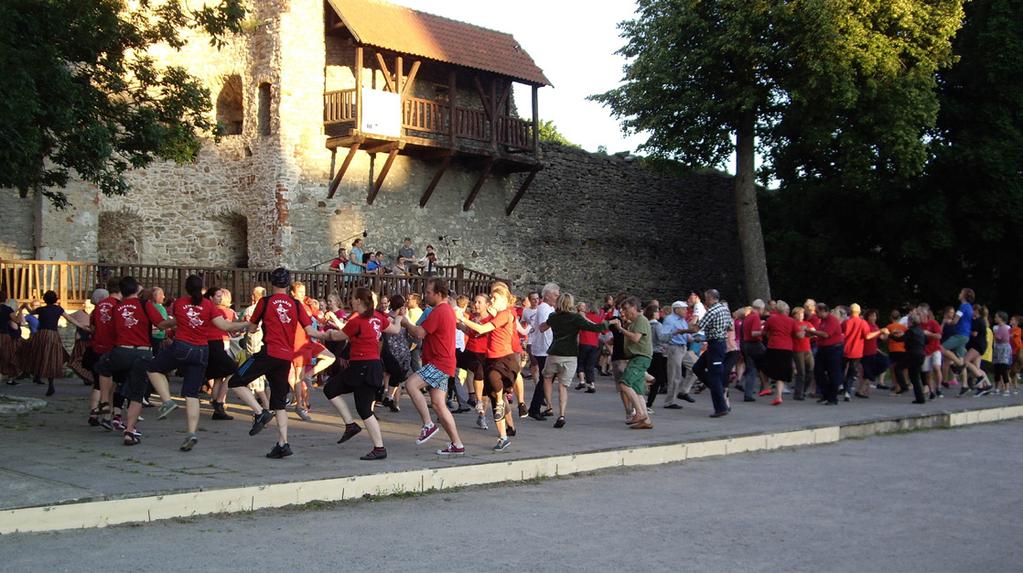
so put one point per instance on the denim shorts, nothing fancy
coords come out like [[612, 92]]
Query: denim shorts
[[191, 359]]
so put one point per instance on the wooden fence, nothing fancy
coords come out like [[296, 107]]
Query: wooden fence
[[74, 282]]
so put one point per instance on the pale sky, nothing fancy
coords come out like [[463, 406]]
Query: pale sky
[[573, 41]]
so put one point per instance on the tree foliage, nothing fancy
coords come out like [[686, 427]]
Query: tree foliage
[[823, 88], [80, 92], [891, 235], [549, 132]]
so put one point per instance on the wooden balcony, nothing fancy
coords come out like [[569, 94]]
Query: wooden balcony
[[430, 123]]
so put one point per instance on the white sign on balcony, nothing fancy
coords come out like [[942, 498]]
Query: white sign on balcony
[[381, 113]]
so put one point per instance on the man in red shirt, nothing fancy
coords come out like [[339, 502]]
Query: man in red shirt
[[856, 330], [102, 321], [830, 346], [439, 363], [281, 317]]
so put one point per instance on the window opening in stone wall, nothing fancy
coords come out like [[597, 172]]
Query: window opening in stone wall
[[230, 111], [264, 109]]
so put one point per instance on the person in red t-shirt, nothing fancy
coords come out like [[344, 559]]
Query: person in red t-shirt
[[932, 351], [780, 330], [828, 365], [589, 350], [474, 357], [856, 332], [282, 318], [874, 363], [364, 376], [131, 323], [502, 363], [752, 346], [802, 354], [220, 366], [439, 364], [101, 322], [191, 317]]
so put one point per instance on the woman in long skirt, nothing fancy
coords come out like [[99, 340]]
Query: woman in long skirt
[[48, 355], [10, 339]]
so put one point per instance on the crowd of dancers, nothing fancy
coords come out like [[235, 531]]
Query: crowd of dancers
[[454, 354]]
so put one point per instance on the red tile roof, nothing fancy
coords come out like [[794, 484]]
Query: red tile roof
[[384, 25]]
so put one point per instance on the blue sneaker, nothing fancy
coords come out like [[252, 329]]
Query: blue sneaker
[[502, 444]]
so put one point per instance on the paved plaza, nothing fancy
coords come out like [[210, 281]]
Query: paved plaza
[[54, 457]]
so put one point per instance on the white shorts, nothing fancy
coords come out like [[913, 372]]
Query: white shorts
[[561, 369], [932, 362]]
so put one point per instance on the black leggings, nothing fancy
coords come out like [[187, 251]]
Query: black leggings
[[363, 379], [659, 370]]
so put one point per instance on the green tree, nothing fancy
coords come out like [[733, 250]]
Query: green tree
[[81, 94], [549, 132], [922, 237], [805, 84]]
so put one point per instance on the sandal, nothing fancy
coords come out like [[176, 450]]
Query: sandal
[[132, 438]]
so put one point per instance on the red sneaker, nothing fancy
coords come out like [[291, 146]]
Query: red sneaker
[[776, 402], [426, 433], [452, 450], [766, 392]]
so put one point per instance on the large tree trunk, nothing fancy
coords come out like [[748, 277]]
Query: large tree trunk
[[751, 238]]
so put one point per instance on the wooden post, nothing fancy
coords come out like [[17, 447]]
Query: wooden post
[[493, 113], [358, 88], [536, 122], [399, 76], [452, 102]]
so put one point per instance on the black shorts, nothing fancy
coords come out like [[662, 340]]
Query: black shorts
[[471, 362], [359, 374], [506, 366], [276, 371], [220, 363]]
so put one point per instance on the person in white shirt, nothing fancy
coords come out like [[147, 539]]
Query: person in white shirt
[[539, 342]]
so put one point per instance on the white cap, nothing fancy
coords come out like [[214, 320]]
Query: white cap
[[679, 304]]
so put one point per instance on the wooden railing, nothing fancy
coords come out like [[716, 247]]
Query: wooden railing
[[74, 282], [339, 106], [515, 132], [425, 116]]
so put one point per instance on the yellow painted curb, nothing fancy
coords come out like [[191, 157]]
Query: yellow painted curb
[[232, 500]]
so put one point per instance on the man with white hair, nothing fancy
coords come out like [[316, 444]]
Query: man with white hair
[[539, 342], [675, 331]]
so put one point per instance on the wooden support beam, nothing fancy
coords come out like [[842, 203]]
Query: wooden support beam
[[387, 73], [522, 191], [436, 179], [336, 181], [483, 95], [536, 122], [411, 80], [399, 76], [479, 184], [383, 175], [358, 87], [503, 98], [384, 147], [333, 157]]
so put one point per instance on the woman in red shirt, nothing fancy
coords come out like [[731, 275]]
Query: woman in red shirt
[[190, 316], [780, 330], [365, 373], [502, 363], [802, 354], [220, 366], [874, 362]]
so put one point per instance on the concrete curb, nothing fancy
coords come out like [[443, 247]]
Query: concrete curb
[[229, 500]]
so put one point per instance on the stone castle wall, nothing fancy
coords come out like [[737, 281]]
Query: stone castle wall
[[597, 224]]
